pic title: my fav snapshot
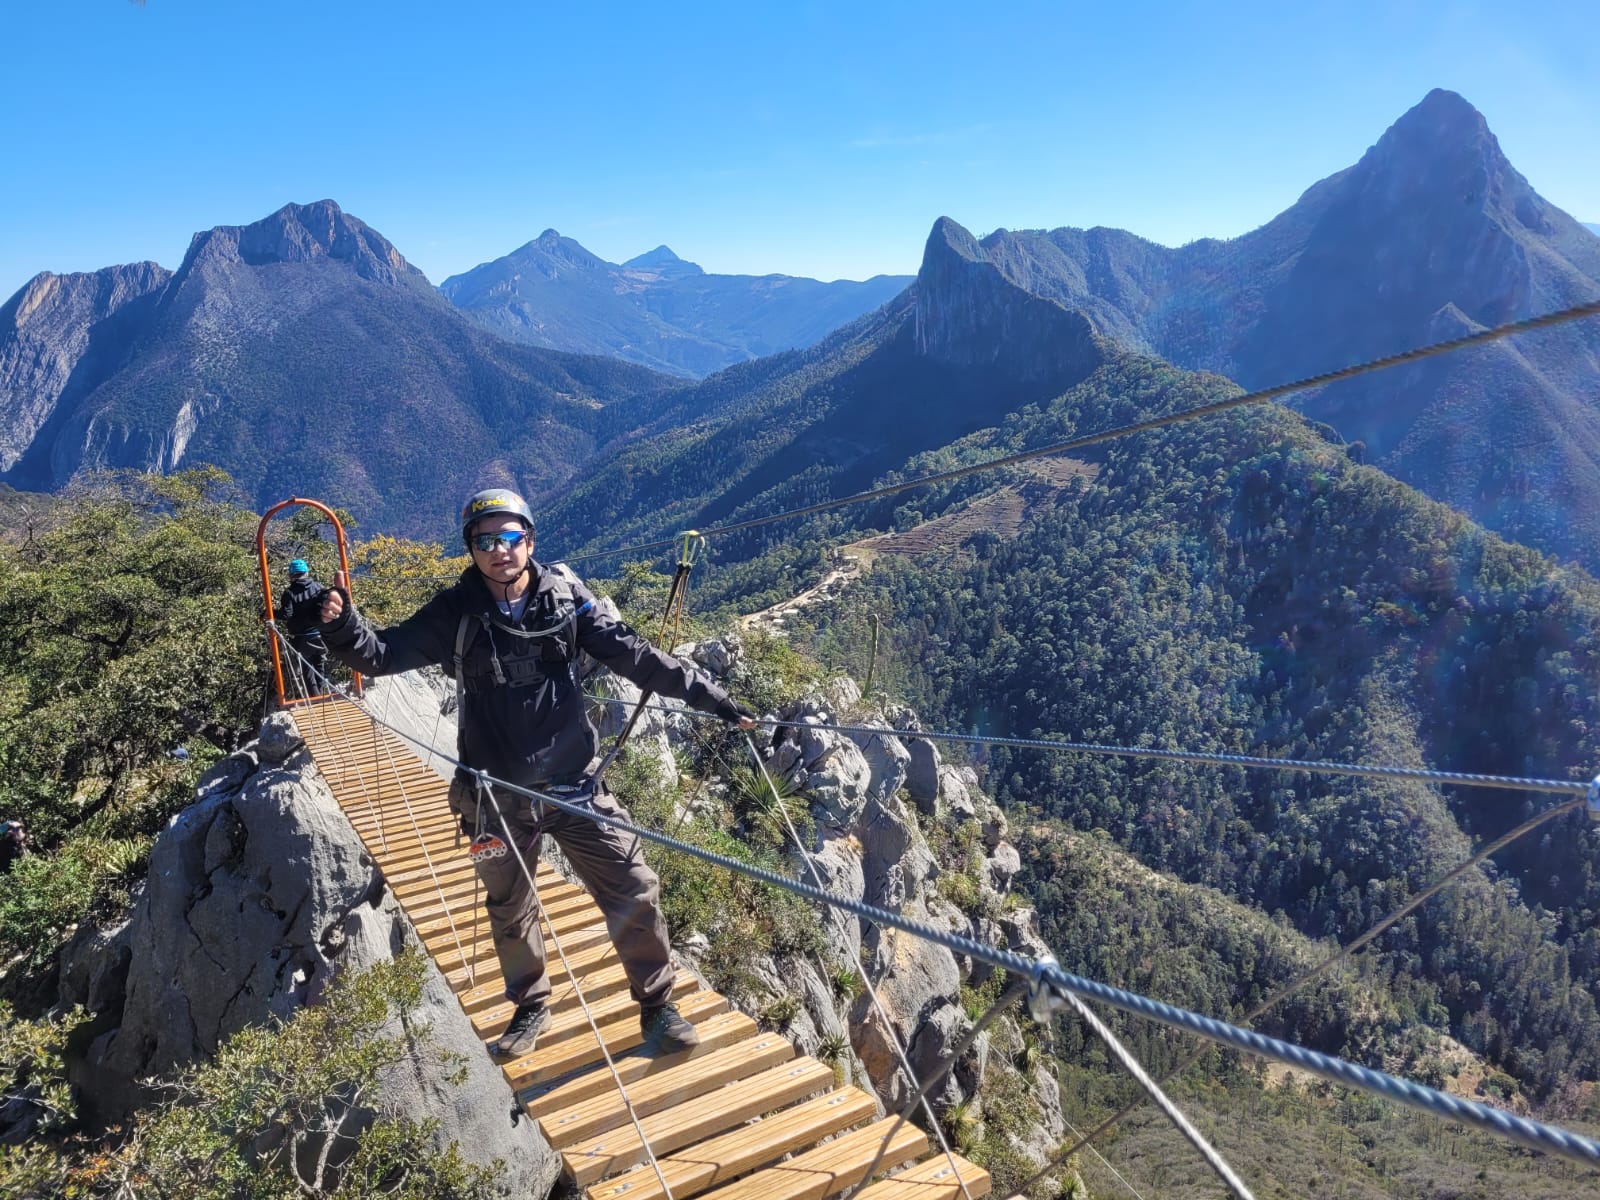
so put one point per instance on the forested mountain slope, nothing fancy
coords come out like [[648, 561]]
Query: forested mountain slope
[[1239, 584], [960, 349]]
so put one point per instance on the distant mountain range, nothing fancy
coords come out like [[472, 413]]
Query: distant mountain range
[[656, 310], [1432, 235], [304, 355]]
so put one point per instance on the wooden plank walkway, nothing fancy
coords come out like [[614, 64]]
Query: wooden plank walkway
[[741, 1116]]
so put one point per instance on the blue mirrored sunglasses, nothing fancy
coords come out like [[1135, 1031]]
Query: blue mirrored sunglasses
[[506, 539]]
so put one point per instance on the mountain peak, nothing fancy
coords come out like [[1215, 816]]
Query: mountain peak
[[968, 312], [300, 233], [662, 261], [1442, 136], [653, 258]]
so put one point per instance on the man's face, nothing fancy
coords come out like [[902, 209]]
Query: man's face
[[500, 562]]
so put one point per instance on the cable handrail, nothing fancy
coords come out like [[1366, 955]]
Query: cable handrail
[[1568, 787]]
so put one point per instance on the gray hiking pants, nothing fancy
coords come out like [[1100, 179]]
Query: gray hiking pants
[[611, 864]]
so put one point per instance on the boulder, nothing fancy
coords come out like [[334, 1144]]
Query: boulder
[[1002, 867], [887, 759], [922, 775]]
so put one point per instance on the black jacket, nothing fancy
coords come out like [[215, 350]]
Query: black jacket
[[300, 608], [523, 717]]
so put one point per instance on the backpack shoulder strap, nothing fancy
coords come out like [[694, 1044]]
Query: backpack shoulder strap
[[463, 628]]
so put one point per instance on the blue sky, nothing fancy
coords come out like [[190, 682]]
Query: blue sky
[[812, 139]]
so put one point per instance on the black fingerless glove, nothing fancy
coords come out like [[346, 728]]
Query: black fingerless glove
[[731, 711]]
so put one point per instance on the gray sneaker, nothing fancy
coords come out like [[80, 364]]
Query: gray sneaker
[[665, 1031], [522, 1031]]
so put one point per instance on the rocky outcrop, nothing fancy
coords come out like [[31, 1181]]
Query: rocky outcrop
[[57, 339], [304, 233], [259, 894], [872, 796], [969, 314]]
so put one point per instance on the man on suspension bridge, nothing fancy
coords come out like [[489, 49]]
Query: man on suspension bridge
[[512, 629]]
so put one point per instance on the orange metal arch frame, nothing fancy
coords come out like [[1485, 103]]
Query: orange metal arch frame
[[285, 701]]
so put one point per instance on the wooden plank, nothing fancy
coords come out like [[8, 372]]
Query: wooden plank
[[551, 1060], [585, 950], [723, 1158], [716, 1032], [600, 981], [932, 1180], [831, 1167], [566, 900], [713, 1113], [677, 1085], [444, 944]]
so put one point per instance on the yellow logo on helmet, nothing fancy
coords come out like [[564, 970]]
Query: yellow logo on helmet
[[492, 502]]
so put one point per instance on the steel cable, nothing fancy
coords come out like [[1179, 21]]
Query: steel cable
[[1531, 1133]]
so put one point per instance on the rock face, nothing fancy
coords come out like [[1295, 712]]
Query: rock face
[[656, 309], [304, 355], [969, 314], [871, 846], [260, 893], [58, 337]]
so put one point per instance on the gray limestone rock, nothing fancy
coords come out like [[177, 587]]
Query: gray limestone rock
[[935, 1040], [887, 759], [955, 794], [830, 769], [922, 774], [1003, 866], [914, 979], [421, 704], [995, 827], [719, 655], [895, 860], [278, 740], [838, 863], [260, 893]]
